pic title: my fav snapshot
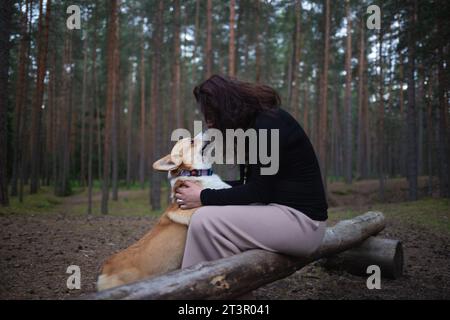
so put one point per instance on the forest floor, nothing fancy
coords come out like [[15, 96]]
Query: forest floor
[[44, 235]]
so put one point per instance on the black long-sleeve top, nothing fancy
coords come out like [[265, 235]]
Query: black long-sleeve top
[[298, 182]]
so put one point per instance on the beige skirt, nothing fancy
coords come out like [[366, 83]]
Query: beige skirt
[[217, 232]]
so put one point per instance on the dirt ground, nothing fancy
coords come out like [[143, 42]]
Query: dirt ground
[[36, 249]]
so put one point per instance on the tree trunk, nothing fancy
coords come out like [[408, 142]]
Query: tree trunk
[[110, 95], [421, 103], [191, 115], [348, 98], [130, 114], [334, 130], [208, 47], [51, 116], [90, 151], [295, 85], [306, 108], [403, 126], [20, 99], [412, 112], [64, 120], [444, 139], [83, 115], [142, 140], [232, 44], [323, 114], [99, 139], [117, 112], [362, 114], [6, 13], [380, 127], [156, 112], [94, 110], [233, 276], [176, 118], [430, 144], [289, 66], [366, 123], [39, 95], [258, 59]]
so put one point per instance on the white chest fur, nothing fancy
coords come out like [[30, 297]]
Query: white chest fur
[[211, 182]]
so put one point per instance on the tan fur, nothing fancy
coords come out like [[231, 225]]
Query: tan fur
[[160, 250], [176, 214]]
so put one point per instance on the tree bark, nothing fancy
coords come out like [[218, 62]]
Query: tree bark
[[208, 47], [444, 139], [403, 119], [117, 112], [110, 95], [429, 133], [142, 140], [348, 98], [323, 114], [295, 84], [6, 13], [233, 276], [39, 95], [176, 118], [412, 109], [258, 58], [51, 117], [380, 127], [306, 108], [64, 120], [94, 110], [420, 108], [130, 114], [83, 115], [232, 44], [20, 99], [156, 112], [362, 114]]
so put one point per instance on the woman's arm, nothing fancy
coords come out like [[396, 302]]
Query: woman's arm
[[239, 182], [257, 189], [234, 183]]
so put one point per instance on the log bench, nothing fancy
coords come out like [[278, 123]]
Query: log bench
[[349, 245]]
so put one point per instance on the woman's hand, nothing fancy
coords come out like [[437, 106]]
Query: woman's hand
[[188, 195]]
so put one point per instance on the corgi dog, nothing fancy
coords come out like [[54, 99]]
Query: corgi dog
[[161, 249]]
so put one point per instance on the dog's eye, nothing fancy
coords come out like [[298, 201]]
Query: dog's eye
[[192, 141]]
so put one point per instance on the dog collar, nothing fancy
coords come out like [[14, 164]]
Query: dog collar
[[196, 173]]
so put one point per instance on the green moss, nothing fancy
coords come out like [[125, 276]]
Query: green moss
[[41, 202], [431, 213], [342, 192], [133, 203]]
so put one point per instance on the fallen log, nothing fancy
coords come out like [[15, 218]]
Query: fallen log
[[236, 275], [385, 253]]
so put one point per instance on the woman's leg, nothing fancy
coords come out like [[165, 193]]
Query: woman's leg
[[220, 231]]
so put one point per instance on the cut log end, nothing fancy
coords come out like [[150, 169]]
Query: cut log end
[[385, 253]]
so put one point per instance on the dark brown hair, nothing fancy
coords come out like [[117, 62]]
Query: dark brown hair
[[228, 103]]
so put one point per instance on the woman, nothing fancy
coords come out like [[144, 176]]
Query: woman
[[284, 212]]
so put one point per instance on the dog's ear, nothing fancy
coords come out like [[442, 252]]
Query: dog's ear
[[165, 164]]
